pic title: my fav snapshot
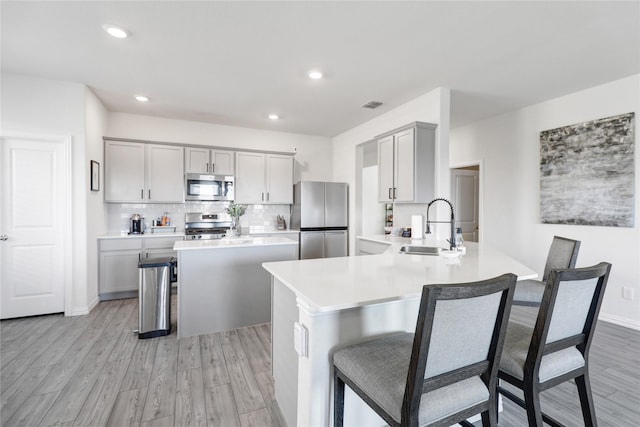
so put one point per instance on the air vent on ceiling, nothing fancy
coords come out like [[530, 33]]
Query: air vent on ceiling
[[372, 104]]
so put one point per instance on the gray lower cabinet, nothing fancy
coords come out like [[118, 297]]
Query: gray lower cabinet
[[118, 276]]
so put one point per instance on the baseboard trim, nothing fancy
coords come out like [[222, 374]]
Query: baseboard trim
[[81, 311], [94, 303], [620, 321]]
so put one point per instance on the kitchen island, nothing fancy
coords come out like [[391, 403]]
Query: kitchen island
[[338, 301], [222, 284]]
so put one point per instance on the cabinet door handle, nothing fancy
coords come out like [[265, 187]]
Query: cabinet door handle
[[146, 255], [149, 194], [207, 167], [267, 196], [394, 193], [262, 197], [390, 197], [142, 193], [213, 167], [139, 256]]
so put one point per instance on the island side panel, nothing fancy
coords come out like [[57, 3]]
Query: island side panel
[[284, 356], [226, 288], [331, 331]]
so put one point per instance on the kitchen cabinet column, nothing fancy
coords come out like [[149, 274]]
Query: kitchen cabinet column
[[279, 179], [250, 174], [264, 178], [165, 179], [206, 161], [124, 171], [406, 164], [138, 172]]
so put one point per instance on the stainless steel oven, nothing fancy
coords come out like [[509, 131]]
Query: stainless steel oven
[[209, 187], [206, 225]]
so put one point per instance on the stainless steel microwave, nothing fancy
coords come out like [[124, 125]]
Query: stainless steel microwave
[[209, 187]]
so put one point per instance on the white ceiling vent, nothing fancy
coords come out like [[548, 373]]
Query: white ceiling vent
[[372, 104]]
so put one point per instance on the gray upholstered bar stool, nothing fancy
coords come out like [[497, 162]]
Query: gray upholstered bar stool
[[556, 350], [563, 253], [442, 374]]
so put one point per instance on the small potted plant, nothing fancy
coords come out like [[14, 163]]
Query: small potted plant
[[235, 211]]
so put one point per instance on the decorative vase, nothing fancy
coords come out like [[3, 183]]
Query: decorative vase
[[234, 230]]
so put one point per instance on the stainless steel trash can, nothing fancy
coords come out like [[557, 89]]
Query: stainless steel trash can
[[154, 297]]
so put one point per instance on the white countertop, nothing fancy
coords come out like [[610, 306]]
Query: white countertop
[[331, 284], [145, 235], [262, 230], [242, 241], [180, 234]]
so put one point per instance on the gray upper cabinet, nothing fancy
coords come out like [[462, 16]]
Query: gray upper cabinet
[[204, 160], [406, 164], [137, 172], [123, 171], [264, 178]]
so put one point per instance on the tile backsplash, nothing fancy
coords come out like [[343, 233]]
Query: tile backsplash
[[257, 217]]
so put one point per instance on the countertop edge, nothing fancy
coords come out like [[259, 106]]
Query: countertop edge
[[138, 236], [249, 242], [107, 236]]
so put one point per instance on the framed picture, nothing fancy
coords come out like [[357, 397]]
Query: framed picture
[[587, 173], [95, 176]]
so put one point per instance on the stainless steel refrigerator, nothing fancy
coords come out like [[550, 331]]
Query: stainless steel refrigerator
[[320, 212]]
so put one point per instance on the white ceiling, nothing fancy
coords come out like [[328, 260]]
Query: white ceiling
[[235, 62]]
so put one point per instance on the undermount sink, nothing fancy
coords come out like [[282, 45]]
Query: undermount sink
[[420, 250]]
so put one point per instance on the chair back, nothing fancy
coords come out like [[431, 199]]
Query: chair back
[[459, 334], [563, 253], [569, 310]]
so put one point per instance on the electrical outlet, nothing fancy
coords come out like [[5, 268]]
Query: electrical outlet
[[300, 337], [627, 293]]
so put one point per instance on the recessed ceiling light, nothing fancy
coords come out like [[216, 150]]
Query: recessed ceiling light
[[315, 75], [142, 98], [273, 117], [115, 31]]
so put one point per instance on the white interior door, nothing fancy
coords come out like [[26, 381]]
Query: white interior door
[[465, 191], [33, 217]]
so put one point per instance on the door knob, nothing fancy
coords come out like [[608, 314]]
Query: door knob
[[4, 237]]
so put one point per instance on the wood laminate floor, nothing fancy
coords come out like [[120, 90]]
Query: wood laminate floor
[[93, 371]]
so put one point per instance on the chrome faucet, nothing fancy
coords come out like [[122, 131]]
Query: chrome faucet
[[452, 239]]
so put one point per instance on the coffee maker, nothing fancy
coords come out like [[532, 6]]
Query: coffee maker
[[136, 224]]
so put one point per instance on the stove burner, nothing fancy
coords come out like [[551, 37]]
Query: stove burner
[[204, 233]]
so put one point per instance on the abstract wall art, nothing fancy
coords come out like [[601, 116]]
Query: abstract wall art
[[587, 173]]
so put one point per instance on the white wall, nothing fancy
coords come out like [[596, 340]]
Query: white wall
[[95, 220], [313, 153], [509, 145], [432, 107], [40, 106]]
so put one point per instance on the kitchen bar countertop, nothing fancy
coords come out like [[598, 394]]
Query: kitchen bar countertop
[[339, 301], [331, 284]]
